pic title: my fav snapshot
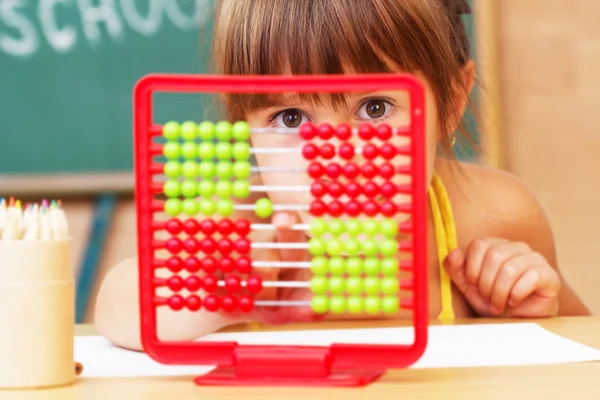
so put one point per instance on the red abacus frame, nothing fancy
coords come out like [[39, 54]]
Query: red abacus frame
[[335, 365]]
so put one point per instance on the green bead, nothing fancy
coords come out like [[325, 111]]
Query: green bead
[[189, 189], [369, 247], [223, 189], [370, 227], [190, 207], [316, 247], [336, 285], [206, 188], [172, 169], [263, 207], [390, 286], [171, 188], [241, 151], [189, 130], [371, 285], [389, 266], [389, 228], [172, 150], [319, 304], [206, 131], [225, 208], [241, 169], [223, 131], [373, 305], [171, 130], [353, 227], [206, 151], [336, 227], [207, 207], [334, 247], [189, 150], [388, 248], [173, 207], [241, 131], [318, 285], [354, 285], [189, 169], [223, 151], [354, 266], [207, 170], [355, 305], [352, 247], [241, 189], [223, 169], [319, 265], [337, 304], [372, 266], [390, 305], [337, 266], [318, 227]]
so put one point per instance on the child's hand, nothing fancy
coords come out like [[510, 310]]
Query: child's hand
[[499, 277]]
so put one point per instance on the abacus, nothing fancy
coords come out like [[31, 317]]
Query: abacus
[[357, 243]]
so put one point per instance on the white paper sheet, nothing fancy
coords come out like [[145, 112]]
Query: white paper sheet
[[449, 346]]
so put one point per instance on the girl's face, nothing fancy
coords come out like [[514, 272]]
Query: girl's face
[[385, 107]]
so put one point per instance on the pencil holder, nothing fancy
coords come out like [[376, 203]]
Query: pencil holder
[[37, 302]]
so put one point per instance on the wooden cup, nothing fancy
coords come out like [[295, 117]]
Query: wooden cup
[[37, 314]]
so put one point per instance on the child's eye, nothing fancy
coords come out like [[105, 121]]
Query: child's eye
[[290, 118], [374, 109]]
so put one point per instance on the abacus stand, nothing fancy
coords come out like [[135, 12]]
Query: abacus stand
[[268, 366]]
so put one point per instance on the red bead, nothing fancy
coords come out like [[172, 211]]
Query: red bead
[[225, 246], [334, 170], [308, 131], [242, 246], [386, 170], [226, 264], [388, 189], [326, 131], [208, 245], [366, 132], [209, 265], [387, 151], [344, 132], [370, 151], [193, 303], [388, 208], [173, 226], [327, 151], [191, 227], [176, 302], [351, 171], [335, 208], [208, 227], [384, 132], [310, 151], [192, 264], [353, 208], [318, 189], [317, 208], [229, 303], [371, 189], [246, 303], [369, 170], [353, 189], [346, 151], [191, 245], [242, 227], [175, 264], [209, 282], [174, 245], [233, 283], [316, 170], [193, 283], [370, 208], [175, 283], [254, 284], [226, 227], [336, 189], [211, 303], [244, 265]]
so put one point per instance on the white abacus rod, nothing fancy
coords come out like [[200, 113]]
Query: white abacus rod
[[276, 245], [286, 150], [270, 227], [277, 169], [281, 264], [282, 303], [274, 284], [295, 131], [276, 207], [274, 188]]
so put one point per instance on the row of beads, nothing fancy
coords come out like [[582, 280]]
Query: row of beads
[[208, 245], [354, 266], [223, 151], [353, 189], [208, 227], [224, 189], [206, 207], [209, 283], [207, 169], [206, 131], [344, 132], [346, 151], [369, 170], [355, 304], [353, 208], [211, 303], [370, 248], [209, 264], [354, 285], [354, 227]]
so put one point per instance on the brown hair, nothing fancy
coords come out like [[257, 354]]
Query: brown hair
[[328, 37]]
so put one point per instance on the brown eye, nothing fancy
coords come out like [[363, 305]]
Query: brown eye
[[375, 108], [291, 118]]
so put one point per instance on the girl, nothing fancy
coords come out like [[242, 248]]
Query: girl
[[498, 256]]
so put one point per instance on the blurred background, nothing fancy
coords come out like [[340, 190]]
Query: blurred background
[[68, 70]]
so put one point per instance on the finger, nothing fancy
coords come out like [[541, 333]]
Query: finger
[[454, 265], [541, 280], [284, 234], [494, 258], [475, 255]]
